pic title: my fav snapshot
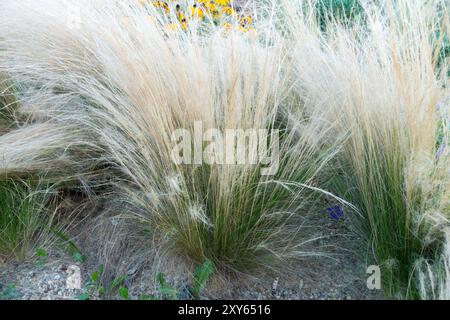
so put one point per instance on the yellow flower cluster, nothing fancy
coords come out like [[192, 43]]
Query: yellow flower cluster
[[221, 12]]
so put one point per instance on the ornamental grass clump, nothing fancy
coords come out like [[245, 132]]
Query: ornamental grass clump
[[130, 85], [133, 100], [380, 81]]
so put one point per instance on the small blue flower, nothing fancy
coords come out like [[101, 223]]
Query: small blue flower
[[335, 212]]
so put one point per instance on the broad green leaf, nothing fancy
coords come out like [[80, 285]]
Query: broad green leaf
[[83, 296], [123, 293], [118, 281]]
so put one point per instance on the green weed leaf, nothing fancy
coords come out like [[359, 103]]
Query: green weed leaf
[[201, 277]]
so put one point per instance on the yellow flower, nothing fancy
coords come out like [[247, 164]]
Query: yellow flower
[[197, 12], [216, 14], [246, 21], [242, 29], [211, 6], [227, 26], [180, 16], [223, 2], [215, 9], [166, 8], [161, 4], [228, 10]]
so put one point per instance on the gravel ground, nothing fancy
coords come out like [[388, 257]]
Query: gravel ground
[[341, 278], [337, 280], [38, 280]]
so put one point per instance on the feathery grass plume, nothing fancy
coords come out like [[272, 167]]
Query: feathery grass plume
[[379, 80], [29, 149], [8, 104], [131, 83], [61, 153]]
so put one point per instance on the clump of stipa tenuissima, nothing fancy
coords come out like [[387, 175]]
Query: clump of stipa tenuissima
[[380, 80], [129, 84], [355, 104]]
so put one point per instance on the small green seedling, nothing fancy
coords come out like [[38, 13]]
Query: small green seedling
[[201, 277], [165, 289], [94, 286], [117, 284], [42, 256], [78, 257], [10, 293], [202, 274], [96, 289], [123, 293], [84, 296]]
